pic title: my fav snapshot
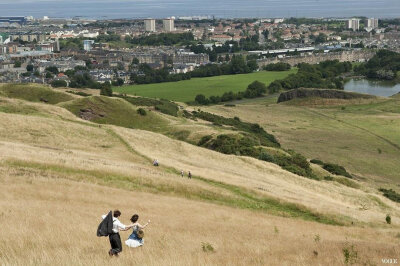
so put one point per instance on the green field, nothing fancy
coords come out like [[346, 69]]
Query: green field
[[185, 91]]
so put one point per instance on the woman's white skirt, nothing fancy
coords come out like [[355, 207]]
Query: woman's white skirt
[[133, 243]]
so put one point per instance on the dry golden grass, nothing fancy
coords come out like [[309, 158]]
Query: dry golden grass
[[90, 147], [316, 101], [46, 220], [261, 176]]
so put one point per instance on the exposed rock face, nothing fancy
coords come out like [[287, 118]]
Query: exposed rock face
[[89, 114], [321, 93]]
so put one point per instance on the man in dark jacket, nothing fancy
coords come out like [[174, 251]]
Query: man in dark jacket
[[106, 226], [115, 238]]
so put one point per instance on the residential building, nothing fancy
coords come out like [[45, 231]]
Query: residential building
[[279, 20], [221, 38], [371, 23], [168, 24], [353, 24], [62, 65], [150, 25], [183, 58], [28, 37], [102, 76], [87, 45]]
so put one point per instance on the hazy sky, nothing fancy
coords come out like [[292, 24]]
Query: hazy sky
[[220, 8]]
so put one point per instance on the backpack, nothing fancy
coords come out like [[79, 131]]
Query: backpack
[[106, 226]]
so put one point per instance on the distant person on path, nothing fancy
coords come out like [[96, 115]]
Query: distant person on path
[[155, 162], [136, 238], [182, 173], [115, 238], [189, 175]]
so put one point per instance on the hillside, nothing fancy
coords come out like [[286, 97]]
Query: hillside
[[362, 135], [33, 93], [186, 91], [59, 168], [104, 110]]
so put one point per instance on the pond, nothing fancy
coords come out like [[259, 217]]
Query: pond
[[378, 88]]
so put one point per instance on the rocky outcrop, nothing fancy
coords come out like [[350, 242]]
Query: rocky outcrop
[[321, 93]]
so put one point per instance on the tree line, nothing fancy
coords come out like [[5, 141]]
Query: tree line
[[324, 75], [254, 90], [238, 65], [384, 65]]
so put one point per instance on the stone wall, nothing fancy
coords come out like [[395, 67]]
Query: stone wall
[[352, 56]]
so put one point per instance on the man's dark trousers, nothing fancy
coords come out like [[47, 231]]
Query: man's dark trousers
[[115, 241]]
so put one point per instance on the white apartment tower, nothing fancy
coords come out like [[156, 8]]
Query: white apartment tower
[[87, 45], [353, 24], [168, 24], [371, 23], [150, 25]]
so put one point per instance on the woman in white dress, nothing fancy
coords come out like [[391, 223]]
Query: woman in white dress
[[135, 239]]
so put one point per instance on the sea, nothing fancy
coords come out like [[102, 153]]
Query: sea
[[108, 9]]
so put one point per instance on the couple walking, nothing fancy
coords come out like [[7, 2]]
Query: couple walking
[[111, 226]]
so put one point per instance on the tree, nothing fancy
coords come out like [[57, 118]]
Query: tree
[[277, 67], [52, 69], [321, 38], [105, 89], [238, 65], [58, 83], [88, 63], [255, 89], [118, 82], [29, 68], [201, 99], [135, 61], [252, 64], [275, 86], [17, 64]]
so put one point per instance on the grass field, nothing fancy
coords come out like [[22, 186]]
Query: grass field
[[362, 136], [185, 91], [47, 219]]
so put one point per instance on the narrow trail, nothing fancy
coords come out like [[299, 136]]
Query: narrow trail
[[394, 145], [245, 198]]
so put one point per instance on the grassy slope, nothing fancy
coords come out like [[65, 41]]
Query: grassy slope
[[53, 139], [187, 90], [44, 152], [350, 135], [36, 93], [114, 111]]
